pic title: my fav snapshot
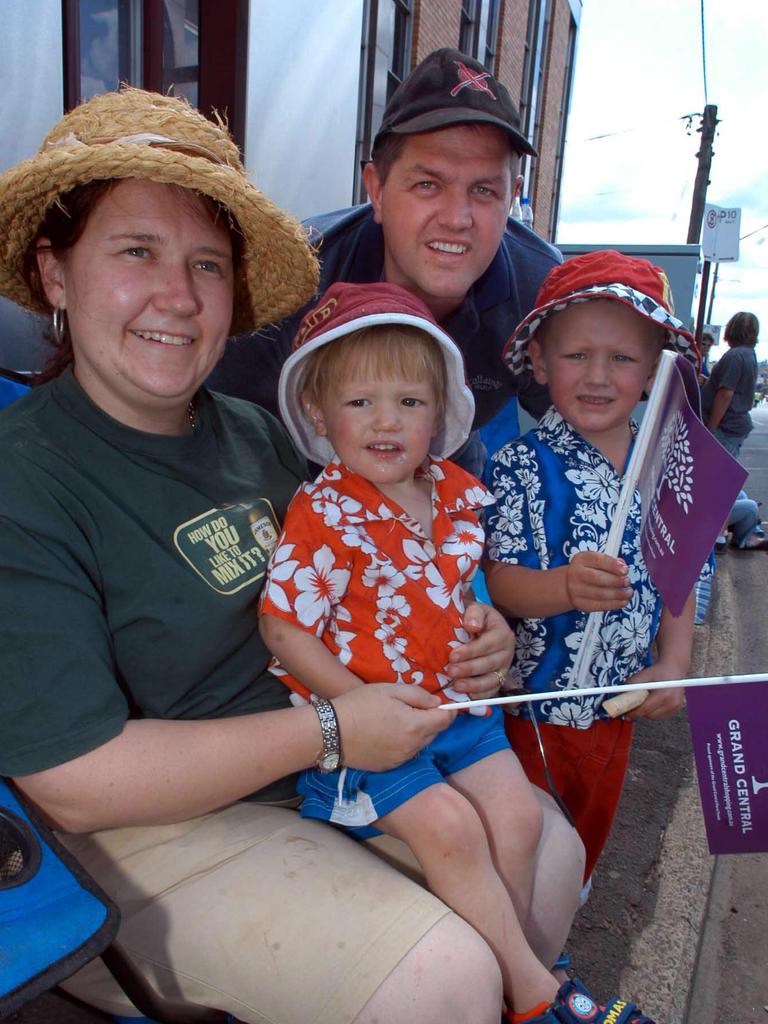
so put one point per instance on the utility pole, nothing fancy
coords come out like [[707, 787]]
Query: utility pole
[[712, 294], [708, 125]]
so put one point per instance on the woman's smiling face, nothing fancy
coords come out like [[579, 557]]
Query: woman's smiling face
[[147, 289]]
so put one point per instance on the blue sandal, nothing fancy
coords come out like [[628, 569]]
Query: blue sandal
[[575, 1004]]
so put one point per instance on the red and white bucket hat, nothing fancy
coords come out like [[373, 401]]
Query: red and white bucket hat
[[604, 274], [348, 307]]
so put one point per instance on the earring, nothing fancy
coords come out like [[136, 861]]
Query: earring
[[59, 324]]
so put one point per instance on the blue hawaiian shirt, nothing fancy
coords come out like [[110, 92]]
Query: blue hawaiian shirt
[[556, 495]]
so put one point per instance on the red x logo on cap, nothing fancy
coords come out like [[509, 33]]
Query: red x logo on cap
[[469, 79]]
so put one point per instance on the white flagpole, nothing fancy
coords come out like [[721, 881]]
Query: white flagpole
[[594, 691], [664, 369]]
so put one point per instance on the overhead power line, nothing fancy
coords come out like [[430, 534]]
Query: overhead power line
[[703, 54], [642, 127], [750, 233]]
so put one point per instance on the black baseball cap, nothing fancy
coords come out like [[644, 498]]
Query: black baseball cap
[[448, 88]]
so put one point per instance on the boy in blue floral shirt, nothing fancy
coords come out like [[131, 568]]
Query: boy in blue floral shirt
[[600, 322]]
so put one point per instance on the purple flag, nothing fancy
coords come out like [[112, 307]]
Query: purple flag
[[728, 727], [688, 483]]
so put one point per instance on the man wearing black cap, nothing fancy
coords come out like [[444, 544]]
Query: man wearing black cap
[[442, 176]]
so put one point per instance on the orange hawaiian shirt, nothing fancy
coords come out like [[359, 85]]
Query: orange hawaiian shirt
[[353, 568]]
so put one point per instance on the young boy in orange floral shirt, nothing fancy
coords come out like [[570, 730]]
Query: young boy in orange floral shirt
[[370, 582]]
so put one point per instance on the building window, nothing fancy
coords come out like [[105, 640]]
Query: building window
[[531, 97], [401, 44], [565, 104], [108, 40], [181, 48], [479, 30], [468, 27], [163, 45], [385, 62]]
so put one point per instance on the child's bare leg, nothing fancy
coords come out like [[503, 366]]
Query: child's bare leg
[[499, 790], [546, 880], [557, 882], [448, 838]]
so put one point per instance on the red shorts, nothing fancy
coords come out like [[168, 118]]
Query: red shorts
[[587, 768]]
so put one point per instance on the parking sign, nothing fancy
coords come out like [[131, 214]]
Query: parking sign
[[720, 237]]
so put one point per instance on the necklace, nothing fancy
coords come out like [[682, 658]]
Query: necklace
[[191, 414]]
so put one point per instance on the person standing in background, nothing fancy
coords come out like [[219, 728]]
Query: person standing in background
[[706, 343], [729, 393]]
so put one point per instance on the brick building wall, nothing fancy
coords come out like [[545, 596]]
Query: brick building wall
[[510, 52], [554, 91], [436, 24]]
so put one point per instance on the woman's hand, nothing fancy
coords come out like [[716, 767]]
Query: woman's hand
[[384, 724], [479, 666], [157, 772]]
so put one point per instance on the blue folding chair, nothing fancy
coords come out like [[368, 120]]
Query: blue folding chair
[[13, 384], [54, 919]]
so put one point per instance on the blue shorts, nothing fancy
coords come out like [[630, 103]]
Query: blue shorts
[[353, 799]]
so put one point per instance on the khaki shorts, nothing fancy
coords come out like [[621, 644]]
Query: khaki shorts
[[256, 911]]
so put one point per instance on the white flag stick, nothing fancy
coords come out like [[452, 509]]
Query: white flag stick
[[595, 691], [612, 547]]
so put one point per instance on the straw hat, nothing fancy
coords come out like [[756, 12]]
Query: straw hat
[[139, 134], [346, 308]]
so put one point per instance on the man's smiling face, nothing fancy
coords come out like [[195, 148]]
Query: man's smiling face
[[442, 208]]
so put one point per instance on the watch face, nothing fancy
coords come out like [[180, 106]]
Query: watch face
[[329, 763]]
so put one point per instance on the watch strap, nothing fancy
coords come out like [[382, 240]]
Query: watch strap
[[330, 757]]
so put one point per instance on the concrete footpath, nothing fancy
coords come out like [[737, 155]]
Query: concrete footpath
[[681, 932], [652, 929], [638, 933]]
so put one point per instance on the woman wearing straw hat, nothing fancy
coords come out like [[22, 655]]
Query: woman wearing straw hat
[[138, 514]]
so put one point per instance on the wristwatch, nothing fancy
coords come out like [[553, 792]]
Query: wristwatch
[[330, 758]]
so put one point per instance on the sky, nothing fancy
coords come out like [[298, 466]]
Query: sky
[[630, 158]]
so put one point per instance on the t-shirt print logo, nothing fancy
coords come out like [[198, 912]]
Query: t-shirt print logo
[[229, 547], [263, 531]]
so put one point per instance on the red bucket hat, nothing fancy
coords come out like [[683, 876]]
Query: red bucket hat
[[345, 308], [605, 274]]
